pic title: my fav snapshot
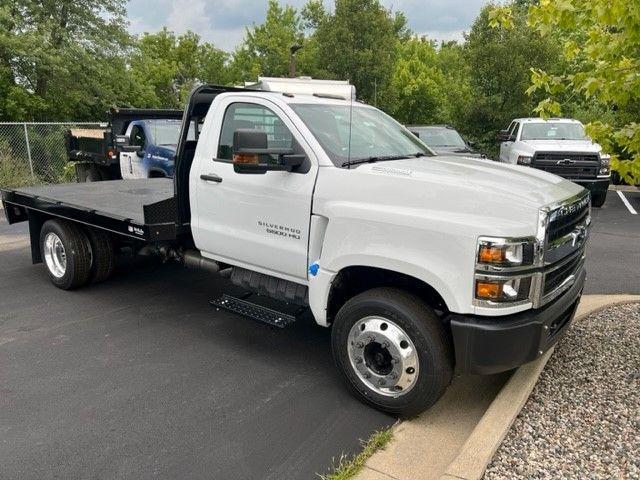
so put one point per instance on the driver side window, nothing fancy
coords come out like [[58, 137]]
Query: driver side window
[[514, 131], [252, 116], [137, 137]]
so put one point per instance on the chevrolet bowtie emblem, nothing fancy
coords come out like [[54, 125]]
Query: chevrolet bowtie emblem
[[577, 236], [566, 161]]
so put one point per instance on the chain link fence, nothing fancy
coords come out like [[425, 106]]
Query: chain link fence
[[34, 153]]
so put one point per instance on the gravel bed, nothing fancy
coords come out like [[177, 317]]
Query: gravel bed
[[583, 417]]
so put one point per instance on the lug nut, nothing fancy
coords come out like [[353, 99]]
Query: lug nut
[[367, 375], [393, 376], [395, 360], [385, 344], [371, 338], [358, 360], [381, 382], [360, 345]]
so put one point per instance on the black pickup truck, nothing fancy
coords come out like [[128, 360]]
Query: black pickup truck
[[96, 152]]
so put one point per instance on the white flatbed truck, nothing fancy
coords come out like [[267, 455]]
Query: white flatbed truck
[[420, 264]]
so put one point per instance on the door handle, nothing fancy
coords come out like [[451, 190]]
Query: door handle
[[212, 177]]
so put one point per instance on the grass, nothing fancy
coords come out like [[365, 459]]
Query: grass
[[348, 468], [14, 173]]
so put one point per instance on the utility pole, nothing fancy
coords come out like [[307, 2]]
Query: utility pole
[[292, 60]]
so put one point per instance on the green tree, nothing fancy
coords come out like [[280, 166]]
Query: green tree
[[358, 42], [601, 46], [62, 59], [417, 86], [500, 59], [265, 48], [165, 67]]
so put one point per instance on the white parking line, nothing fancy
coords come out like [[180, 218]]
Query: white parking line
[[626, 203]]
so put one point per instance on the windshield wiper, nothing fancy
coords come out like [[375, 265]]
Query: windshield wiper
[[382, 158]]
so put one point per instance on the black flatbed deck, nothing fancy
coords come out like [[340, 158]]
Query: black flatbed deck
[[144, 209]]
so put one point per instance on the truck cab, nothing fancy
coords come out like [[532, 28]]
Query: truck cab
[[559, 146], [420, 264], [149, 148], [106, 153]]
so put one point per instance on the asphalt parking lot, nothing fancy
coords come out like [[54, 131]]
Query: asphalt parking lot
[[140, 378]]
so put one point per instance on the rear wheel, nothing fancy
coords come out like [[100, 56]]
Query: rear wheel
[[88, 173], [598, 199], [66, 253], [392, 350], [102, 255]]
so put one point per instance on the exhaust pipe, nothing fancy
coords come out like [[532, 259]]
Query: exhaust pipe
[[193, 259]]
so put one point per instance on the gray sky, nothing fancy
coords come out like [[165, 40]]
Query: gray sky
[[222, 21]]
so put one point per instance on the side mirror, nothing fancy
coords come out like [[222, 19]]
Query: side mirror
[[415, 133], [131, 148], [471, 143], [251, 153], [121, 140], [503, 136]]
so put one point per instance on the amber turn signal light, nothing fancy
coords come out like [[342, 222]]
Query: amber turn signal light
[[488, 290], [491, 254], [245, 158]]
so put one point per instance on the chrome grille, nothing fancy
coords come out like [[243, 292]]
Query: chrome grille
[[554, 278], [566, 236], [570, 165], [559, 157], [564, 219]]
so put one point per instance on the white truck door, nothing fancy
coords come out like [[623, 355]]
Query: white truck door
[[131, 162], [259, 221], [507, 146]]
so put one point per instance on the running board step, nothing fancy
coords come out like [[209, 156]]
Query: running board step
[[256, 312]]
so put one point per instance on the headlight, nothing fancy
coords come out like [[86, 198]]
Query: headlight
[[524, 160], [605, 161], [503, 290], [505, 271], [499, 252]]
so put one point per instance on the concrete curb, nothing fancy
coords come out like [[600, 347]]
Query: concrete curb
[[457, 438], [624, 188], [486, 438]]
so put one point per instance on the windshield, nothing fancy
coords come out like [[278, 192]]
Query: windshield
[[553, 131], [166, 132], [373, 133], [439, 137]]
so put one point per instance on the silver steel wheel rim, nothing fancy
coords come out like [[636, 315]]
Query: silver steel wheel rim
[[383, 356], [55, 255]]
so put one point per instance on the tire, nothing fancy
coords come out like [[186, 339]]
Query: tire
[[598, 199], [427, 341], [66, 254], [89, 173], [102, 255]]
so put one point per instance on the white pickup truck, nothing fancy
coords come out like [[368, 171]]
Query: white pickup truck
[[559, 146], [420, 264]]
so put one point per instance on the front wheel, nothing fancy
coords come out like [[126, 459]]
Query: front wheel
[[392, 350], [598, 199]]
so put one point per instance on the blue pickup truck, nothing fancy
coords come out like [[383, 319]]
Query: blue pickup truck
[[135, 143]]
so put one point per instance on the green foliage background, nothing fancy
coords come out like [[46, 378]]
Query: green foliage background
[[73, 59]]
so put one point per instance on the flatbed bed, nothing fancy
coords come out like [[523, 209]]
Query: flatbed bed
[[143, 209]]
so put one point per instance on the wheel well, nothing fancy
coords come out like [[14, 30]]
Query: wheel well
[[352, 281], [157, 174]]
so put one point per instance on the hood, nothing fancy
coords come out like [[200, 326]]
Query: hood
[[474, 194], [484, 178], [578, 146]]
